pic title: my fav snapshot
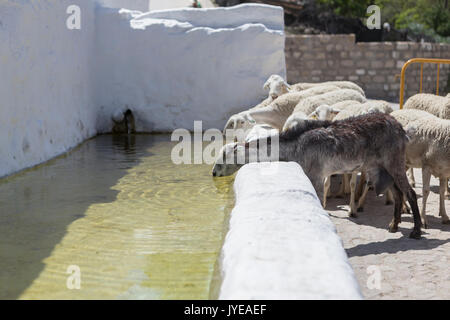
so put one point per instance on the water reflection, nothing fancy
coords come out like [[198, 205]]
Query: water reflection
[[137, 225]]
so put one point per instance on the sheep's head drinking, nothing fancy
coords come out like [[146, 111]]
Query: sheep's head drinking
[[231, 158], [276, 86]]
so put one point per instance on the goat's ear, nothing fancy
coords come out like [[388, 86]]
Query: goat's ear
[[287, 86]]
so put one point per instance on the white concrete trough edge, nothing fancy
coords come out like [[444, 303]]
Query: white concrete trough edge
[[281, 244]]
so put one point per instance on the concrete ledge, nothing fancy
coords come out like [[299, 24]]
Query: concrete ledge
[[281, 243]]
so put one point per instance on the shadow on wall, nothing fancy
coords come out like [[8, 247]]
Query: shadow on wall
[[39, 204], [125, 125]]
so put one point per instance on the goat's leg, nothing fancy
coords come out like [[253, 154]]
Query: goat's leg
[[353, 208], [398, 200], [426, 176], [398, 173], [442, 187], [347, 187], [448, 189], [341, 192], [412, 200], [411, 179], [389, 197], [361, 186], [362, 199], [326, 190], [405, 207]]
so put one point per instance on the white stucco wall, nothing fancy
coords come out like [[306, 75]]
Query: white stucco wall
[[175, 66], [46, 96], [141, 5], [59, 87], [281, 244]]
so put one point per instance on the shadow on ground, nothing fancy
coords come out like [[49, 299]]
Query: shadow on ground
[[378, 215]]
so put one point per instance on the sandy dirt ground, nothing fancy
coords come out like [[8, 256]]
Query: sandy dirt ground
[[391, 265]]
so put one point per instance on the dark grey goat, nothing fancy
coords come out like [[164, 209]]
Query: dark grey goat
[[374, 143]]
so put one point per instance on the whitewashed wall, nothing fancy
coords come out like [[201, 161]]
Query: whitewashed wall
[[175, 66], [46, 91], [59, 87], [141, 5]]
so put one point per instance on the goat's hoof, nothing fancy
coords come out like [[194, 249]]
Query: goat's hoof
[[415, 234], [393, 228], [445, 221], [352, 215], [360, 209], [389, 203]]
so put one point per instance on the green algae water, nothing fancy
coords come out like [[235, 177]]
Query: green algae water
[[132, 224]]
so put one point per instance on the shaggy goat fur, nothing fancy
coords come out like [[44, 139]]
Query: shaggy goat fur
[[374, 142]]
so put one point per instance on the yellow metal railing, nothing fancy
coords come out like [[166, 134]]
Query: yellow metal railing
[[421, 61]]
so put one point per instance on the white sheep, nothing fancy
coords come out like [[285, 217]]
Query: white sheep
[[277, 86], [340, 84], [309, 105], [237, 121], [276, 113], [434, 104], [274, 83], [326, 112], [260, 131], [429, 149], [349, 109], [294, 119]]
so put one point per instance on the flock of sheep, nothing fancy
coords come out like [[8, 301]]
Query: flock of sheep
[[331, 128]]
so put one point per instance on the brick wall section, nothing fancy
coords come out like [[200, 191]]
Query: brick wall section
[[372, 65]]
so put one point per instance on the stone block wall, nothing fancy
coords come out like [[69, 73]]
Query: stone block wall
[[375, 66]]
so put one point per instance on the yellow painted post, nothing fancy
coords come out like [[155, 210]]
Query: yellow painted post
[[421, 61], [421, 76], [437, 81]]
